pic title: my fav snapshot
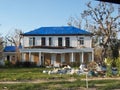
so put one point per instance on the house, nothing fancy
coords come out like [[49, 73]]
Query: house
[[10, 53], [57, 45]]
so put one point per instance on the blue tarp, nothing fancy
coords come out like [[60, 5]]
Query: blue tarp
[[66, 30], [10, 48]]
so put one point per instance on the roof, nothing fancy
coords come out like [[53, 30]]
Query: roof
[[66, 30], [10, 48]]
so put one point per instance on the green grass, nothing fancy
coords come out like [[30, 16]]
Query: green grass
[[55, 81]]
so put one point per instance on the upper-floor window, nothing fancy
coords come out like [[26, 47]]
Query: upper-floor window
[[50, 41], [67, 42], [81, 40], [43, 41], [32, 41], [59, 41]]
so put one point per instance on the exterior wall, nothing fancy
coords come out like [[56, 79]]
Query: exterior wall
[[58, 58], [27, 57], [67, 58], [55, 57], [12, 57], [36, 58], [88, 41], [47, 59], [73, 41], [26, 41], [77, 58], [38, 41]]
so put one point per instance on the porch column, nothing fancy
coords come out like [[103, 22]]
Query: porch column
[[62, 57], [92, 55], [53, 59], [23, 57], [72, 57], [82, 57], [39, 62], [30, 56]]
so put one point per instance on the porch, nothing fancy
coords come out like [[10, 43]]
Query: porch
[[57, 57]]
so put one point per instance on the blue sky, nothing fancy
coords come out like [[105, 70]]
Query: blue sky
[[31, 14]]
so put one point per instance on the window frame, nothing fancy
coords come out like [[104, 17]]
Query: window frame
[[67, 41], [81, 40], [50, 41], [43, 41], [60, 40], [31, 41]]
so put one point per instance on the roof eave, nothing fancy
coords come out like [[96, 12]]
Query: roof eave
[[56, 34]]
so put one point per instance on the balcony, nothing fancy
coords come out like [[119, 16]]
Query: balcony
[[47, 47]]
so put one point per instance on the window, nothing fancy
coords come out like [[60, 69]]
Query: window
[[32, 41], [81, 40], [50, 41], [67, 42], [60, 41], [43, 41]]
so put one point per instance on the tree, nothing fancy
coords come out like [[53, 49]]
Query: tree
[[14, 38], [75, 21], [105, 24], [1, 47], [102, 22]]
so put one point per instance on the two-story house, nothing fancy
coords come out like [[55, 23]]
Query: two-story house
[[57, 45]]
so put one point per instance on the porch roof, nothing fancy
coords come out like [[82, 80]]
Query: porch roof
[[70, 50]]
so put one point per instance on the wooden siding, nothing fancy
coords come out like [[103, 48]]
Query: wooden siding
[[47, 59], [67, 58], [58, 58], [27, 57], [86, 59], [77, 58], [36, 58]]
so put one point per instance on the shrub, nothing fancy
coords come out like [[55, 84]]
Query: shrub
[[117, 62], [8, 63], [25, 64]]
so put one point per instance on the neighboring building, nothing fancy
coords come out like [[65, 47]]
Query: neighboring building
[[57, 45], [10, 53]]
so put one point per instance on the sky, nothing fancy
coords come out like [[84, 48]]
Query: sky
[[28, 15]]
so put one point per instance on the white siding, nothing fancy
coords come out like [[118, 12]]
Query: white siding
[[73, 40], [26, 41], [38, 41], [47, 41], [87, 42]]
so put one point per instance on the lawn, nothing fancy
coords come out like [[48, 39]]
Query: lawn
[[34, 79]]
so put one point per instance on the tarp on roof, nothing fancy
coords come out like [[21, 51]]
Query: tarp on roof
[[10, 48], [66, 30]]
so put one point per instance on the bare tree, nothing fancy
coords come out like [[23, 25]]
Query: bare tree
[[1, 47], [15, 39], [75, 21], [104, 22]]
